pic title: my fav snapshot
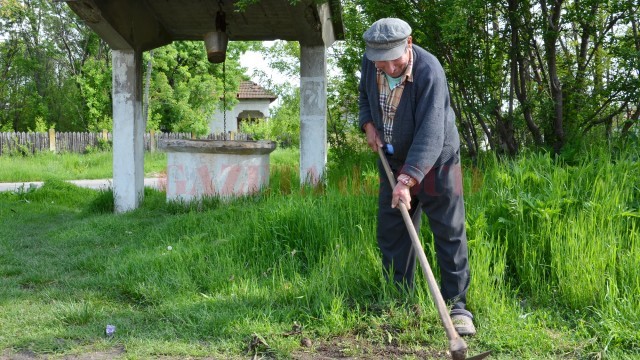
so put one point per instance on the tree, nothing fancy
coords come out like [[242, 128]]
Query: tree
[[56, 71], [186, 88], [523, 73], [43, 48]]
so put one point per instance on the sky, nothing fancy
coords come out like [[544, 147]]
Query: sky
[[253, 61]]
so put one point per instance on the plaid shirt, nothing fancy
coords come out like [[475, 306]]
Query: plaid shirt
[[390, 98]]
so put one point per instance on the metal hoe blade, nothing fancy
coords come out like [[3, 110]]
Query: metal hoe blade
[[480, 356], [461, 354]]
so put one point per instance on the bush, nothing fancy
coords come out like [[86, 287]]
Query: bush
[[102, 145]]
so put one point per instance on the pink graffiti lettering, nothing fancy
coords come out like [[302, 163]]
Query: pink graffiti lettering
[[177, 172], [232, 173], [253, 179], [204, 178]]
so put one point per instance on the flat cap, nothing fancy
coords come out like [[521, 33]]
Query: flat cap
[[386, 39]]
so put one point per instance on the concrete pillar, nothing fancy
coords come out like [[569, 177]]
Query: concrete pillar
[[128, 130], [313, 113]]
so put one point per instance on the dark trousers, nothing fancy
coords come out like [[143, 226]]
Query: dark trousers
[[440, 197]]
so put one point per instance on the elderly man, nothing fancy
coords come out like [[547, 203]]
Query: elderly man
[[405, 108]]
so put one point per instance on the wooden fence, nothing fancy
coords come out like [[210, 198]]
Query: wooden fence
[[13, 143]]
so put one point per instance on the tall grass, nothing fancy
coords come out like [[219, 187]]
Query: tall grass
[[553, 249], [570, 238]]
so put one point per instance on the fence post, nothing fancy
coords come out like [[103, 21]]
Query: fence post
[[105, 135], [152, 140], [52, 140]]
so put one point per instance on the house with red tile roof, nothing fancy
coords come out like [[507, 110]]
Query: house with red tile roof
[[253, 105]]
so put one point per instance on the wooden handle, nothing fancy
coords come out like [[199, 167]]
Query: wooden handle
[[457, 344]]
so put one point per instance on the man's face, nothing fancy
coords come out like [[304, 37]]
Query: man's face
[[395, 68]]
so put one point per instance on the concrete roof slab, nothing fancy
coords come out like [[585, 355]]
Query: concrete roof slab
[[146, 24]]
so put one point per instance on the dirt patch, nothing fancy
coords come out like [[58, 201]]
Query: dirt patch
[[93, 355], [347, 347], [352, 348]]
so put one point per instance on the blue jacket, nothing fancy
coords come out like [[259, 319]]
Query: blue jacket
[[424, 129]]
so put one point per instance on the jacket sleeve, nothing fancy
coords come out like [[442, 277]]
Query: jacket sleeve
[[432, 98], [364, 103]]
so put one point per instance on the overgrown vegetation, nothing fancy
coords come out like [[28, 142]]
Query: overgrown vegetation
[[283, 126], [553, 239], [554, 254], [522, 74], [56, 73]]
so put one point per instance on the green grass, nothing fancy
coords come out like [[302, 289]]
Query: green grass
[[554, 255], [70, 166]]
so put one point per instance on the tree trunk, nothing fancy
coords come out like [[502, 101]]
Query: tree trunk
[[465, 95], [632, 119], [551, 31], [147, 86], [519, 72], [467, 135], [506, 132]]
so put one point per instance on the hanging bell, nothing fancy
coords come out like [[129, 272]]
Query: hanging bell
[[216, 41]]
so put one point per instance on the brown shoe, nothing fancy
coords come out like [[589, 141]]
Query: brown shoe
[[463, 325]]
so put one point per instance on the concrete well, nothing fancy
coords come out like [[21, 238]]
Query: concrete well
[[210, 168]]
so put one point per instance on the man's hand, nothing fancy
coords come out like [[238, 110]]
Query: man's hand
[[401, 193], [373, 140]]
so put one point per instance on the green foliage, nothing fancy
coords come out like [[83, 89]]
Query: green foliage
[[19, 149], [40, 125], [102, 145], [54, 70], [95, 87], [41, 52], [284, 56], [346, 139], [501, 94], [186, 88], [183, 92], [283, 124]]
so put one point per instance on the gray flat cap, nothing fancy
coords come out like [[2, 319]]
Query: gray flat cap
[[386, 39]]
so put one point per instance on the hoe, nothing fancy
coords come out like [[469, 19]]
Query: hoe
[[457, 345]]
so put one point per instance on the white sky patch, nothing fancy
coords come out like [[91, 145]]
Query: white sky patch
[[256, 64]]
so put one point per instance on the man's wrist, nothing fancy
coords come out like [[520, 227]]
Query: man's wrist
[[406, 180]]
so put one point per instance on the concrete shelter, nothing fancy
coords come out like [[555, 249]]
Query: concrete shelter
[[131, 27]]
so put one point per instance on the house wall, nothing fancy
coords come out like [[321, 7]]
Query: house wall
[[216, 122]]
